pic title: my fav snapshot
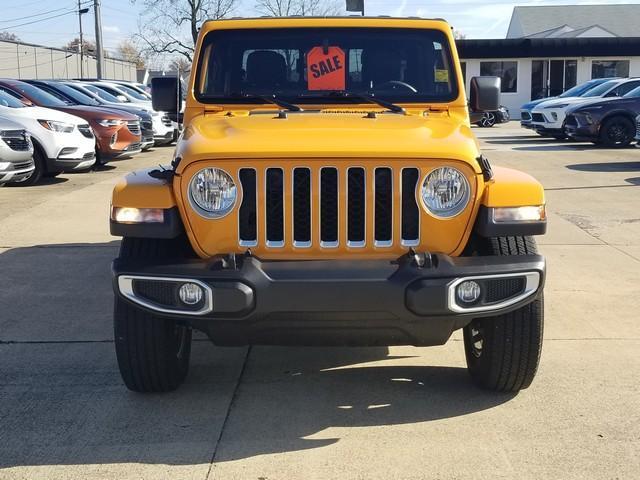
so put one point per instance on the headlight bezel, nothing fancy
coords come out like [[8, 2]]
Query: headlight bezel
[[57, 126], [450, 213], [204, 212]]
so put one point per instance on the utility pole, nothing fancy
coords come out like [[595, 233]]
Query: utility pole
[[100, 52], [80, 12]]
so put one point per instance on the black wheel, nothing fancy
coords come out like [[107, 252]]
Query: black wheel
[[503, 352], [40, 170], [488, 120], [617, 132], [560, 137], [153, 352], [51, 174]]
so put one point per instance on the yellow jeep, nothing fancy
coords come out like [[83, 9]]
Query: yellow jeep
[[327, 189]]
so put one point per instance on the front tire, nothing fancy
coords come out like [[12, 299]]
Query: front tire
[[488, 120], [153, 352], [503, 352], [617, 132], [40, 163]]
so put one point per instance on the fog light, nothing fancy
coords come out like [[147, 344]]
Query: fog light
[[190, 294], [468, 292]]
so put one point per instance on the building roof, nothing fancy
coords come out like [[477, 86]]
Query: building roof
[[621, 19], [548, 47]]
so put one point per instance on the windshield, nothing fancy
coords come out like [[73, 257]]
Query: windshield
[[601, 89], [38, 96], [578, 90], [107, 97], [307, 64], [133, 93], [117, 96], [10, 101], [635, 93], [76, 95]]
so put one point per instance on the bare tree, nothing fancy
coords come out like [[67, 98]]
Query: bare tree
[[171, 26], [128, 51], [458, 35], [181, 65], [284, 8], [74, 46], [12, 37]]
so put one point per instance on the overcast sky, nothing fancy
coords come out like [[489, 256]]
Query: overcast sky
[[54, 22]]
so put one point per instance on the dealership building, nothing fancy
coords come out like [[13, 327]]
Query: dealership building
[[550, 49]]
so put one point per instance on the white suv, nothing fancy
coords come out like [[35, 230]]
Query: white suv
[[61, 142], [548, 117], [16, 153]]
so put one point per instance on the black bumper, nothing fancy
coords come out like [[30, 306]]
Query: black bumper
[[582, 133], [354, 302]]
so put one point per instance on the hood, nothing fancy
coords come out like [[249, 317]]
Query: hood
[[561, 102], [611, 103], [6, 124], [328, 134], [96, 113], [533, 103], [40, 113]]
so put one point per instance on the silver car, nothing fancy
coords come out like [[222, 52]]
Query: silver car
[[16, 153]]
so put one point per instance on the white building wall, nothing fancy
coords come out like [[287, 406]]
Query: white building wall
[[32, 62], [513, 101]]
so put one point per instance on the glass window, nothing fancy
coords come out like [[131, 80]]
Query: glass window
[[570, 74], [635, 93], [133, 93], [610, 68], [40, 97], [310, 64], [507, 71], [107, 97], [463, 66], [623, 89], [10, 101], [601, 89]]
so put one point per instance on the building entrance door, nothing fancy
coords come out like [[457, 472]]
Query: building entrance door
[[549, 78]]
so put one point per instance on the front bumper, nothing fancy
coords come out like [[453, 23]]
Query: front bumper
[[352, 302], [17, 172], [582, 132]]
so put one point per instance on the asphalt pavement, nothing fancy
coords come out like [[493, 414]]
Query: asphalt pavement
[[324, 413]]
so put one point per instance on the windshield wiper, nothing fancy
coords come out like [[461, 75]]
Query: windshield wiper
[[369, 98], [270, 99]]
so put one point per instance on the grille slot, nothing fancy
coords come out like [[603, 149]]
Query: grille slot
[[329, 207], [275, 207], [16, 139], [538, 117], [525, 116], [356, 206], [410, 211], [247, 217], [85, 130], [383, 215], [302, 207]]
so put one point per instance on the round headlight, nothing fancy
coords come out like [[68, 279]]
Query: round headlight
[[445, 192], [212, 192]]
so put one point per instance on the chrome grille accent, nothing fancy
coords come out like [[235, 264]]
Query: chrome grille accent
[[134, 127], [354, 207]]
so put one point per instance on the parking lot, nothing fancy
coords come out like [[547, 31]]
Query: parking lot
[[322, 413]]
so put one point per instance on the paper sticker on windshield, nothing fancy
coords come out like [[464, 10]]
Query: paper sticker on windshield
[[326, 68], [442, 76]]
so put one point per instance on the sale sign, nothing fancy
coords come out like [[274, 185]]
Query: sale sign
[[326, 68]]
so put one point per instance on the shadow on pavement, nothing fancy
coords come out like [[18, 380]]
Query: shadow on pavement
[[606, 167], [62, 401]]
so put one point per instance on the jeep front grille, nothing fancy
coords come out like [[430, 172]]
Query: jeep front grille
[[311, 198]]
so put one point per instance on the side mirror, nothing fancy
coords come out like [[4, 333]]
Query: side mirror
[[166, 94], [122, 98], [485, 94]]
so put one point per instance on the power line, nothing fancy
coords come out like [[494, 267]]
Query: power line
[[72, 12]]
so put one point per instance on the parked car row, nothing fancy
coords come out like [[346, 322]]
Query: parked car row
[[601, 111], [52, 126]]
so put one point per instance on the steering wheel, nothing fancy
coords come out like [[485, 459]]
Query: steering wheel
[[397, 83]]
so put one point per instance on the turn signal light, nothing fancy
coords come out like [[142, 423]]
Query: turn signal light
[[137, 215]]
